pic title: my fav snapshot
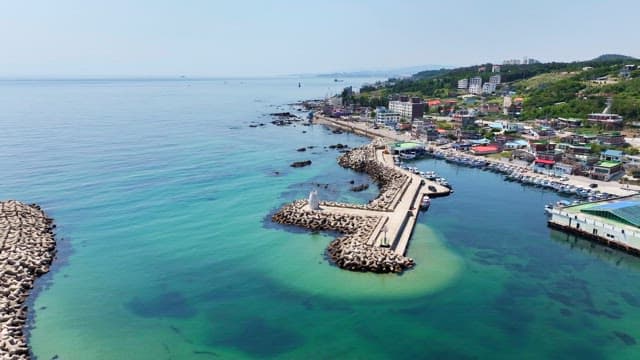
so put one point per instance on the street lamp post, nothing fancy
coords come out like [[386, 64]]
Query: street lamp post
[[384, 241]]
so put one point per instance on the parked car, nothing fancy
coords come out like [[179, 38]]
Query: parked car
[[593, 185]]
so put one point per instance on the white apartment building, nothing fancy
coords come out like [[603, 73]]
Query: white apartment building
[[511, 62], [475, 85], [475, 89], [506, 103], [387, 118], [463, 84], [495, 79], [488, 88], [407, 108]]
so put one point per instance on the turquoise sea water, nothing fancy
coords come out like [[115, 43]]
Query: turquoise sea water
[[162, 194]]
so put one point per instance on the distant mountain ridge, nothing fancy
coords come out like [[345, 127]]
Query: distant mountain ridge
[[613, 57], [391, 72]]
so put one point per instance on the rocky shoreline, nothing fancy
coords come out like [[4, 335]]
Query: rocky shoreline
[[391, 181], [27, 248], [353, 251]]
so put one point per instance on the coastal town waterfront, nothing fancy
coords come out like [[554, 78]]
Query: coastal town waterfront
[[169, 249], [613, 223]]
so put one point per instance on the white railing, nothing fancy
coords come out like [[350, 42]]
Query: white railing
[[594, 223]]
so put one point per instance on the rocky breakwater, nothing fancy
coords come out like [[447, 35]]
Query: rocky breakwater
[[390, 180], [27, 247], [350, 251]]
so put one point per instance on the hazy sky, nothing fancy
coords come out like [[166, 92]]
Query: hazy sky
[[243, 37]]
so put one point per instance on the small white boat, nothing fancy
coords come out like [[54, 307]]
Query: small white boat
[[426, 202], [407, 155]]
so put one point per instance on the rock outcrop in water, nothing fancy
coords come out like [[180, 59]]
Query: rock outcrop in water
[[390, 180], [298, 164], [27, 247]]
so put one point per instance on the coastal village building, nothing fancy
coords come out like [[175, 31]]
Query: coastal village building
[[568, 122], [606, 121], [516, 144], [506, 104], [606, 170], [614, 139], [491, 108], [463, 84], [475, 89], [579, 155], [488, 88], [433, 104], [495, 79], [615, 223], [625, 71], [563, 169], [387, 118], [485, 149], [611, 155], [495, 68], [464, 118], [422, 128], [408, 109], [632, 160]]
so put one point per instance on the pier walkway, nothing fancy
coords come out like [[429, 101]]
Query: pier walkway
[[400, 221]]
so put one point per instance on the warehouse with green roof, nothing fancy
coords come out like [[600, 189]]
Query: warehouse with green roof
[[614, 222]]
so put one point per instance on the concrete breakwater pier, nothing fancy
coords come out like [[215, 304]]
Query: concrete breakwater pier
[[375, 235], [27, 248]]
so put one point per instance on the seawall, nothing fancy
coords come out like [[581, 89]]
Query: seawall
[[370, 231], [27, 248]]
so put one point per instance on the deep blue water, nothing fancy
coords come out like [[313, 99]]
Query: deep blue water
[[162, 192]]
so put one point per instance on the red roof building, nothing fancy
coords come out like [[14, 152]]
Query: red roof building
[[484, 150], [545, 162]]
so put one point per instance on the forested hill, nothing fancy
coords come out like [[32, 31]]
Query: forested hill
[[550, 89]]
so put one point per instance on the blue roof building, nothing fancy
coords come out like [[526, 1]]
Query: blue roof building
[[611, 155]]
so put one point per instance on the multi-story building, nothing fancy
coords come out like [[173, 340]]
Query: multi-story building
[[511, 62], [606, 170], [605, 120], [475, 89], [463, 84], [506, 104], [475, 85], [495, 68], [477, 80], [488, 88], [614, 139], [387, 118], [495, 79], [408, 109], [464, 118]]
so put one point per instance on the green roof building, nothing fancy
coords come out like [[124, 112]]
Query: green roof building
[[613, 222]]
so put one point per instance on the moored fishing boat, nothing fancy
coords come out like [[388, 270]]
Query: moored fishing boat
[[426, 202]]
